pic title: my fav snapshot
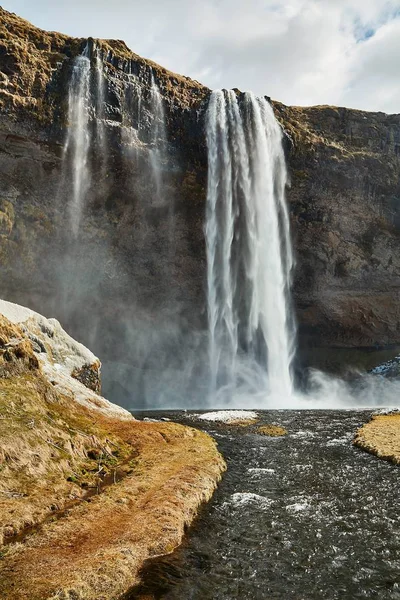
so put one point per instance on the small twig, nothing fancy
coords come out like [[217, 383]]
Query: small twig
[[79, 431], [12, 494], [55, 446]]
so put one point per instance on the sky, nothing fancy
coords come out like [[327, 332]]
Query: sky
[[301, 52]]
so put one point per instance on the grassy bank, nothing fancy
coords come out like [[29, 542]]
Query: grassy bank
[[85, 498]]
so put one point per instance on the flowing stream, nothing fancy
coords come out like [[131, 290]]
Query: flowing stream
[[301, 517], [251, 333]]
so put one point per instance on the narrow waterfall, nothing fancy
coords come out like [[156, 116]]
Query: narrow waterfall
[[132, 116], [100, 109], [157, 140], [78, 137], [251, 334]]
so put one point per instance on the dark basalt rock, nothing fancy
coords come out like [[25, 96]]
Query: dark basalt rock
[[89, 375]]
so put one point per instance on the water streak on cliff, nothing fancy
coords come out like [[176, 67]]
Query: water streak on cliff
[[132, 117], [78, 137], [158, 137], [251, 338], [100, 100]]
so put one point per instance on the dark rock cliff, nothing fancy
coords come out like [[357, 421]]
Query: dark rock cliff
[[132, 284]]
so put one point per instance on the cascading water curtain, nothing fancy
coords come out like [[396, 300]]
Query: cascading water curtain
[[251, 332]]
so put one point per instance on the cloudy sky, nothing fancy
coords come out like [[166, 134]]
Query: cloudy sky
[[343, 52]]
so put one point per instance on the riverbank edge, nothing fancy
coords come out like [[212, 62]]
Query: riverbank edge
[[381, 437], [96, 551]]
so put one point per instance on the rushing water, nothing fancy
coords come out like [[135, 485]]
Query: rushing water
[[301, 517], [248, 249], [78, 138]]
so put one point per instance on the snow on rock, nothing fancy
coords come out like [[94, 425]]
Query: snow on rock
[[71, 367], [229, 416]]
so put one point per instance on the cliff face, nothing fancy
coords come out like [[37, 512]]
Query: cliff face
[[345, 205], [138, 265]]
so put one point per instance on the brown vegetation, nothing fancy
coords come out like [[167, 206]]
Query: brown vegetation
[[381, 436], [31, 57], [272, 430], [55, 454]]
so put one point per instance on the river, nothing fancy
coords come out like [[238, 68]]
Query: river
[[298, 517]]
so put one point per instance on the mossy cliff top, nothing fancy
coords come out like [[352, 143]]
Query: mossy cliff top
[[31, 61]]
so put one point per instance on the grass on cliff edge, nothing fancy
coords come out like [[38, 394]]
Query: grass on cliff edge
[[94, 549]]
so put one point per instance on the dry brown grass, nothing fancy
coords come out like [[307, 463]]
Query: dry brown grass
[[381, 436], [96, 551], [272, 430], [50, 450], [31, 56], [45, 440], [242, 422]]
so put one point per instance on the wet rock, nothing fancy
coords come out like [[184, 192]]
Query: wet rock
[[89, 375]]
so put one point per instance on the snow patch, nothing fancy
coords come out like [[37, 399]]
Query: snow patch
[[227, 416], [59, 355]]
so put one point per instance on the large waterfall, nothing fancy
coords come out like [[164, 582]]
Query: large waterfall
[[251, 333]]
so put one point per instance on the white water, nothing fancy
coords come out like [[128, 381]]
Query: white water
[[100, 110], [132, 117], [78, 137], [251, 336], [157, 141]]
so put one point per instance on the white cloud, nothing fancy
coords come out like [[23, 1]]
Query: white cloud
[[374, 71], [297, 51]]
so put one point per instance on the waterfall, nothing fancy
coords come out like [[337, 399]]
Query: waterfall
[[100, 110], [132, 117], [158, 138], [78, 137], [251, 334]]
